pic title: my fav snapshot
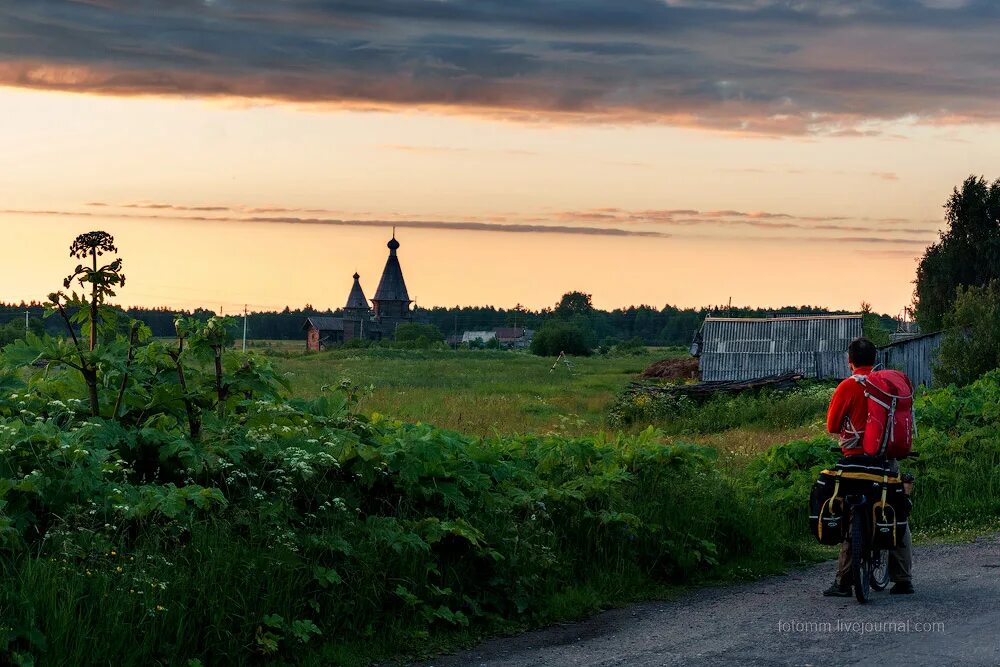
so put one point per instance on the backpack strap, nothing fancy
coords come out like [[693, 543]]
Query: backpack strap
[[850, 436]]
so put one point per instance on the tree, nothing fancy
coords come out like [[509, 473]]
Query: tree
[[420, 335], [556, 337], [871, 326], [14, 330], [574, 303], [971, 346], [967, 254]]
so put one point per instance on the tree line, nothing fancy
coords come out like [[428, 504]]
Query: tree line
[[668, 325]]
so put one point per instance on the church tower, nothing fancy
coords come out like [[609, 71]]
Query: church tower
[[357, 313], [392, 301]]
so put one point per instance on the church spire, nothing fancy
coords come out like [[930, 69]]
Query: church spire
[[392, 287], [356, 300]]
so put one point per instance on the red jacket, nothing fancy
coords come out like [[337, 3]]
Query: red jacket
[[848, 413]]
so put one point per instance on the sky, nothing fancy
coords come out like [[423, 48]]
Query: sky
[[644, 151]]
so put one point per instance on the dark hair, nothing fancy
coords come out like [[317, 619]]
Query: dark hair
[[862, 352]]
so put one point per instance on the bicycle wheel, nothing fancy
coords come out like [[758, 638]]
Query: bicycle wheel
[[880, 569], [860, 559]]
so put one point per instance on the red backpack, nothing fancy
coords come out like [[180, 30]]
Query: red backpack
[[889, 430]]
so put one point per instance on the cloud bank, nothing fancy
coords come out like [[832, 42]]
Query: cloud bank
[[838, 67], [716, 225]]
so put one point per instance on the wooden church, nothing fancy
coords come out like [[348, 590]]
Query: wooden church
[[389, 308]]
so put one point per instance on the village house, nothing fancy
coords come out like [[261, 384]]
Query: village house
[[389, 308], [506, 337], [481, 336], [514, 337]]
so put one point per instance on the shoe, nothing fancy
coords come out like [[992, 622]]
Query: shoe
[[902, 588], [838, 591]]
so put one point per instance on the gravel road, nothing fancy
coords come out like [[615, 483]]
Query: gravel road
[[953, 619]]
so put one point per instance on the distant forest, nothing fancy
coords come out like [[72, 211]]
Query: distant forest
[[664, 326]]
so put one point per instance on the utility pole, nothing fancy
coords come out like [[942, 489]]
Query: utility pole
[[26, 321], [245, 327], [455, 337]]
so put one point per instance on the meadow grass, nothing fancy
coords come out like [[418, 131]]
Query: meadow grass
[[475, 392]]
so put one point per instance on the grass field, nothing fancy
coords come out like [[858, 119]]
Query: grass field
[[488, 393], [475, 392]]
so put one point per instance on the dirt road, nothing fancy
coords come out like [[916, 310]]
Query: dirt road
[[953, 619]]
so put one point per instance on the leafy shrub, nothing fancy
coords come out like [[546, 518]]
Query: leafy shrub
[[418, 335], [971, 344], [556, 337], [681, 414], [636, 346], [785, 475], [958, 439]]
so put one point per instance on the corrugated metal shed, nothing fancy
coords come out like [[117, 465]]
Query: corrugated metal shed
[[915, 356], [750, 348]]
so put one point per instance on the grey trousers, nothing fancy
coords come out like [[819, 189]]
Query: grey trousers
[[900, 561]]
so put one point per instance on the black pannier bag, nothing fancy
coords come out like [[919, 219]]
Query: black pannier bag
[[890, 514], [888, 502], [826, 509]]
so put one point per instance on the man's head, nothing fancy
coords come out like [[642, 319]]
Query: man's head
[[861, 352]]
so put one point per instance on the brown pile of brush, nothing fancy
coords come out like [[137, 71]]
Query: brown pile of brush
[[684, 368]]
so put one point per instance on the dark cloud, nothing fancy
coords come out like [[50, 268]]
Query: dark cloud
[[613, 222], [450, 225], [766, 220], [764, 66]]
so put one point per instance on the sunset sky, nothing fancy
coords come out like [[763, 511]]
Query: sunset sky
[[645, 151]]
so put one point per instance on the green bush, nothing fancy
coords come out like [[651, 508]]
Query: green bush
[[556, 337], [634, 346], [971, 344], [676, 414], [419, 335]]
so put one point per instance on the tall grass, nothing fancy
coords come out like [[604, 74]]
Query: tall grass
[[481, 393], [769, 409]]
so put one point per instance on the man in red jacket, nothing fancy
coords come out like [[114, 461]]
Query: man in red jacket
[[846, 418]]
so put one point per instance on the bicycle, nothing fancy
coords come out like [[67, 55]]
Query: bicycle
[[869, 566]]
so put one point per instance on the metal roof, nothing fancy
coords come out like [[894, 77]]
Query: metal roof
[[324, 323], [509, 333], [485, 336], [748, 348], [915, 356], [909, 338]]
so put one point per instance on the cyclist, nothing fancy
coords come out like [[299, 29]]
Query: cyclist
[[846, 418]]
